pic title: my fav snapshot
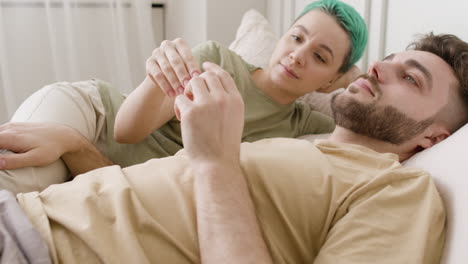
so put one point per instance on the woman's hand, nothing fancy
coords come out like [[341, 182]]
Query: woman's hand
[[172, 66]]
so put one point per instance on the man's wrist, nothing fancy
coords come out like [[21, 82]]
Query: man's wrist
[[216, 166], [73, 141]]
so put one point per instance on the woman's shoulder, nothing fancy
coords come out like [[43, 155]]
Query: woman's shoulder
[[211, 48], [217, 52]]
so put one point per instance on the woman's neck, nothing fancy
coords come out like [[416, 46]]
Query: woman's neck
[[264, 83]]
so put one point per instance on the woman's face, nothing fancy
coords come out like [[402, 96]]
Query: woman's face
[[308, 57]]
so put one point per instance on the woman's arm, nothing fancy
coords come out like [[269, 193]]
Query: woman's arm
[[146, 109], [150, 105]]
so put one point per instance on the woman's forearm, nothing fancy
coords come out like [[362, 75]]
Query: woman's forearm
[[144, 110]]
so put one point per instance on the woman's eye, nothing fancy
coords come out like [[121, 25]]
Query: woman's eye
[[319, 57], [296, 37]]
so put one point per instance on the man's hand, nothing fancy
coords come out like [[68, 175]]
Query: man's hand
[[212, 119], [212, 116], [34, 144], [40, 144]]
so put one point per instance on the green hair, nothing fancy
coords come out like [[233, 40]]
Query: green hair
[[350, 21]]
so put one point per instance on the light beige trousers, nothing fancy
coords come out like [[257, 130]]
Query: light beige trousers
[[77, 105]]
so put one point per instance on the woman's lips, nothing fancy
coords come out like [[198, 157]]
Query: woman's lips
[[290, 72]]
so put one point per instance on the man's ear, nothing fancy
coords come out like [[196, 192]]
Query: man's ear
[[436, 134]]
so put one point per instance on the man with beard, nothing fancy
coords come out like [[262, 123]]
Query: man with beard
[[342, 200]]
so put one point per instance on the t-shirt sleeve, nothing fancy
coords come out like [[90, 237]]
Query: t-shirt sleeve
[[313, 122], [211, 51], [401, 222], [231, 62]]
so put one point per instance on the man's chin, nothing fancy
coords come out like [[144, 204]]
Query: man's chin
[[384, 123]]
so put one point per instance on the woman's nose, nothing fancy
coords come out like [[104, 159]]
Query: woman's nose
[[297, 56]]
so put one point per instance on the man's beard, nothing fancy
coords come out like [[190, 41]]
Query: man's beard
[[385, 123]]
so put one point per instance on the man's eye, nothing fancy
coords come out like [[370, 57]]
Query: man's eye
[[410, 78], [296, 37]]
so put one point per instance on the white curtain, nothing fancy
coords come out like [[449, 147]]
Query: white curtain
[[47, 41]]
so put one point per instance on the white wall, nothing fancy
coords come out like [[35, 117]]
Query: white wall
[[407, 18], [223, 17], [200, 20], [186, 18], [43, 44]]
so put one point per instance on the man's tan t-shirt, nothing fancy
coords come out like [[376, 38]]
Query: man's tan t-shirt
[[315, 203]]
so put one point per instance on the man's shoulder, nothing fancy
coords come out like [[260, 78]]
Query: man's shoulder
[[281, 149], [359, 164], [277, 143]]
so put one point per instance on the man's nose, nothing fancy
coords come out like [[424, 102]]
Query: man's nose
[[377, 70]]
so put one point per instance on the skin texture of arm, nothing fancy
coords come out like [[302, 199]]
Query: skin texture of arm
[[84, 157], [144, 110], [212, 126], [40, 144], [227, 225], [151, 105]]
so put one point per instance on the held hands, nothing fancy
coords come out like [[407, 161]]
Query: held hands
[[34, 144], [213, 121], [172, 66]]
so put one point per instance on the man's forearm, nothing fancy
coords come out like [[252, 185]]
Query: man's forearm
[[84, 156], [227, 225]]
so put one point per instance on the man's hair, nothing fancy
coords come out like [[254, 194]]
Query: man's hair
[[454, 51], [350, 20]]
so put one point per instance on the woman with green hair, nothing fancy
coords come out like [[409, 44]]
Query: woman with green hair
[[324, 42]]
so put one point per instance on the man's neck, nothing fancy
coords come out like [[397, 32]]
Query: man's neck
[[340, 134]]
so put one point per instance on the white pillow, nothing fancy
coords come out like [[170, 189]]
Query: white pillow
[[255, 42], [448, 165], [255, 39]]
